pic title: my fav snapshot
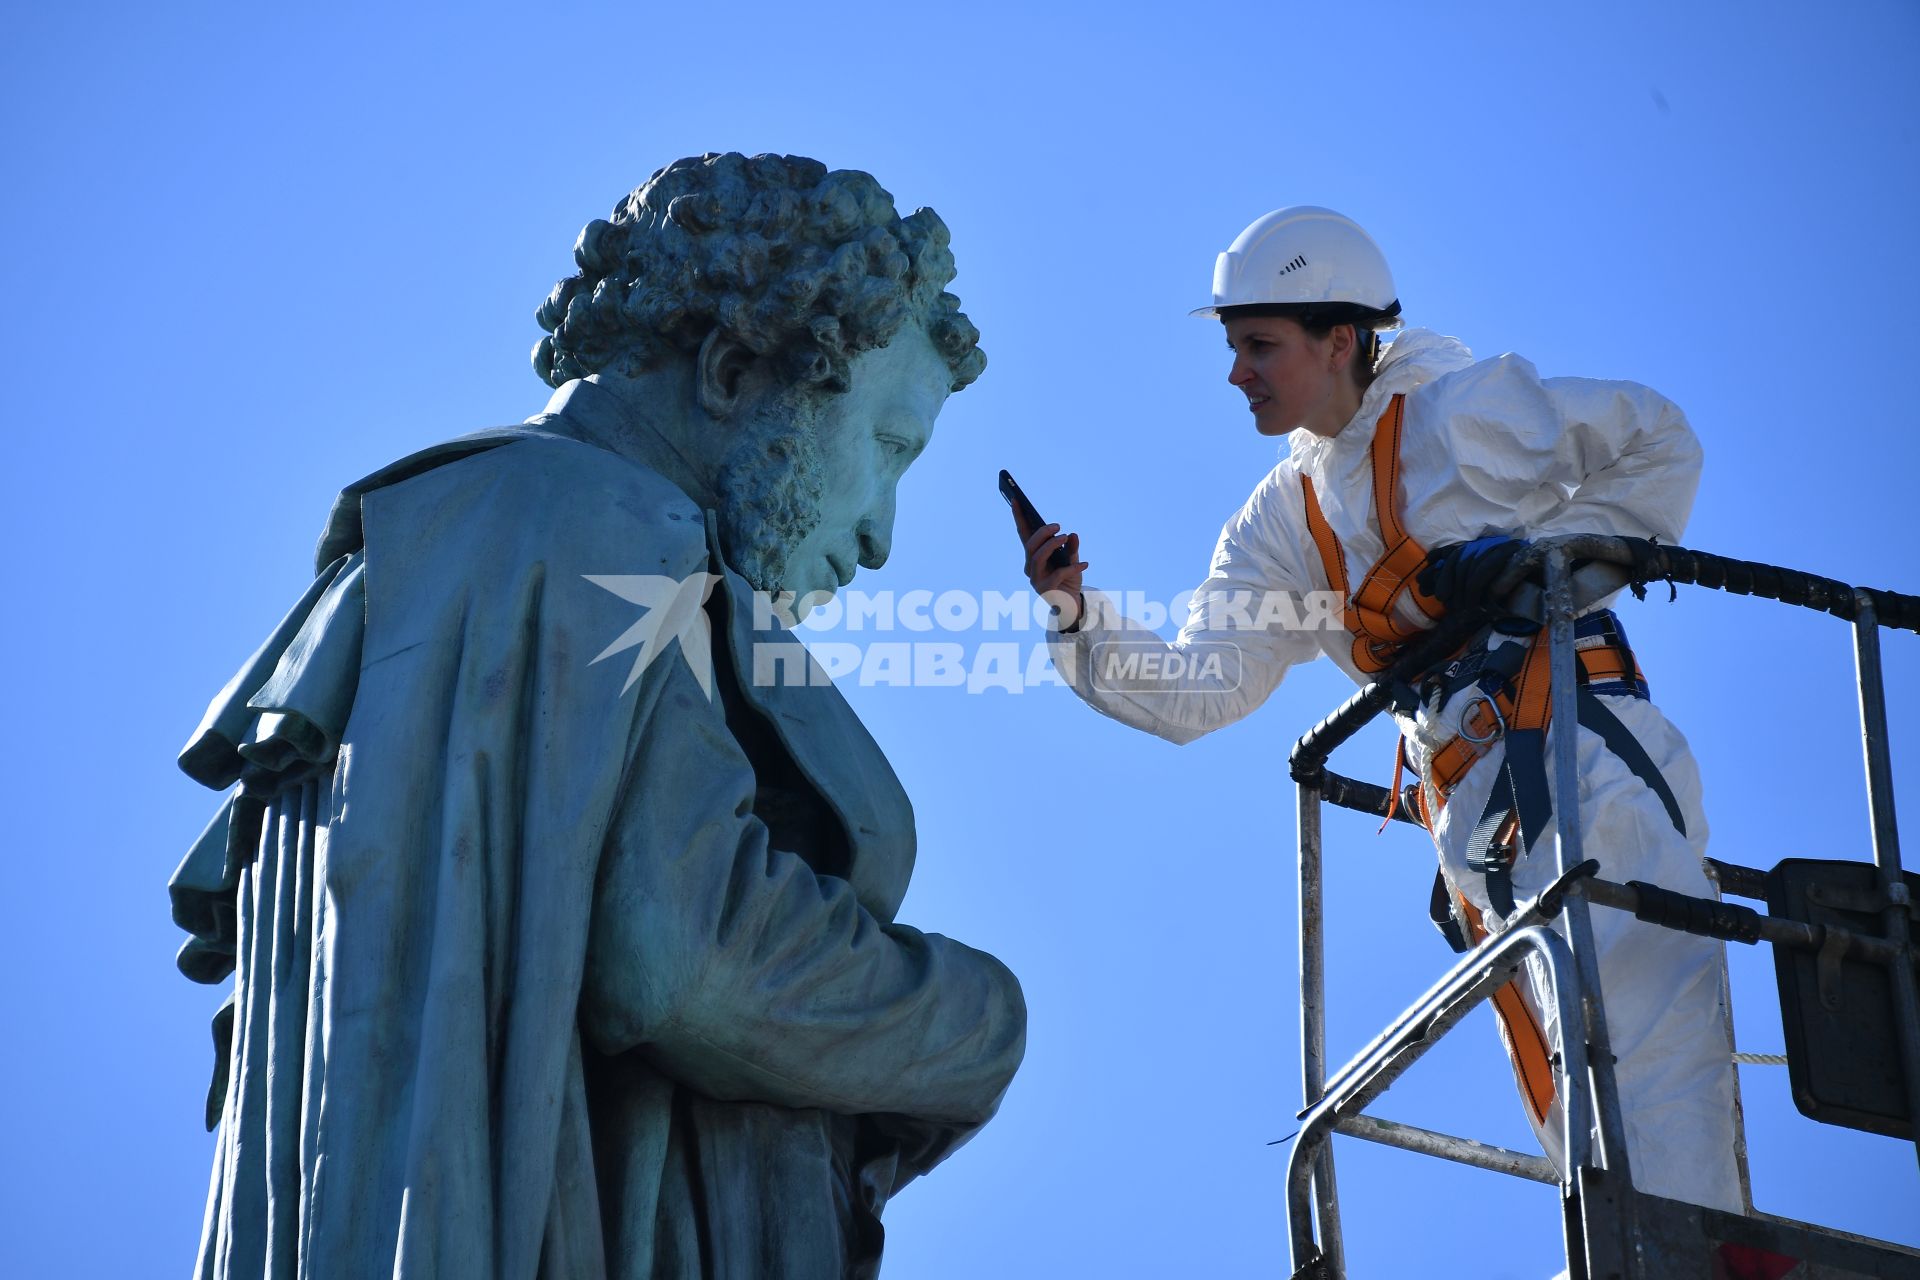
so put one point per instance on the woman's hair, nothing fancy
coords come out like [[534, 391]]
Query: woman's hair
[[795, 263], [1319, 320]]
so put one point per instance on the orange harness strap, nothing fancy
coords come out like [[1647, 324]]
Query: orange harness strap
[[1378, 634], [1332, 557], [1530, 708], [1605, 663], [1394, 573], [1527, 1046]]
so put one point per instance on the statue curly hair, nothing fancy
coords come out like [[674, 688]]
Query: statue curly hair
[[798, 264]]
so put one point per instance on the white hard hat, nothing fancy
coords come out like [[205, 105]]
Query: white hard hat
[[1307, 256]]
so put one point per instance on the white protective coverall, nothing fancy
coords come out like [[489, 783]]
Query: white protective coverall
[[1486, 448]]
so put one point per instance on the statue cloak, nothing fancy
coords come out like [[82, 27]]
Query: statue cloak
[[529, 979]]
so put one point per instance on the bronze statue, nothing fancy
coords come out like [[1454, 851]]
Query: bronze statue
[[549, 962]]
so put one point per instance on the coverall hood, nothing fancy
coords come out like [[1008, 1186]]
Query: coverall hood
[[1413, 357]]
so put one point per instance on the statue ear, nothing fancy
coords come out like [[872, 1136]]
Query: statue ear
[[720, 373]]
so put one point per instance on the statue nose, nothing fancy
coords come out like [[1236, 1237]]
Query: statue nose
[[876, 542]]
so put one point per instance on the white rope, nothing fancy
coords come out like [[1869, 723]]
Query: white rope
[[1761, 1059]]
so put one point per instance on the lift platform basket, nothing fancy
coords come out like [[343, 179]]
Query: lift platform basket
[[1843, 1048]]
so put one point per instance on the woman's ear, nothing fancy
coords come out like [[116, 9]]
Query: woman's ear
[[1343, 339], [720, 373]]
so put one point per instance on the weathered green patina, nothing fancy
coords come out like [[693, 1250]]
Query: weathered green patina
[[563, 946]]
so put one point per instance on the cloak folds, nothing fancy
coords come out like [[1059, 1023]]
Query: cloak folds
[[537, 977]]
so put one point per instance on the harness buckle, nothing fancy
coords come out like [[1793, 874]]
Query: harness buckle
[[1499, 727]]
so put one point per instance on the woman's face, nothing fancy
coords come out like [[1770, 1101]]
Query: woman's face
[[1290, 378]]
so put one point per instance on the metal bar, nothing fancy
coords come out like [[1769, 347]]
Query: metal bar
[[1426, 1142], [1794, 934], [1718, 573], [1564, 737], [1536, 910], [1313, 1018], [1741, 882], [1886, 844], [1309, 754], [1682, 565], [1473, 979], [1873, 728], [1739, 1104], [1721, 876], [1566, 714], [1366, 797], [1901, 1251]]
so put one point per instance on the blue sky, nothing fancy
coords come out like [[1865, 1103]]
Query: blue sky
[[253, 253]]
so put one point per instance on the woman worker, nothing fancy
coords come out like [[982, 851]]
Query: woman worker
[[1413, 477]]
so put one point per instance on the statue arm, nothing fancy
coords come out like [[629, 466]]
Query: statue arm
[[739, 971]]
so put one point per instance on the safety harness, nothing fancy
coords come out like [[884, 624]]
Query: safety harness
[[1378, 635], [1513, 703]]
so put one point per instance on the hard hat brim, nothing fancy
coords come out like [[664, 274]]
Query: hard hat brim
[[1381, 321]]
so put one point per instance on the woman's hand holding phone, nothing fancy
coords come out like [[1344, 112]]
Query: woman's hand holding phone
[[1053, 563]]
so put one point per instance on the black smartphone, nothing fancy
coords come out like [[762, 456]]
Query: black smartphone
[[1018, 501]]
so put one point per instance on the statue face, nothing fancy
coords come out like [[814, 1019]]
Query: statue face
[[804, 515], [868, 436]]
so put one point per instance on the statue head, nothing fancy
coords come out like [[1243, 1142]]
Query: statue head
[[809, 322]]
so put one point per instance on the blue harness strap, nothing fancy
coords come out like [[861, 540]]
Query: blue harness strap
[[1620, 740], [1519, 806], [1516, 813]]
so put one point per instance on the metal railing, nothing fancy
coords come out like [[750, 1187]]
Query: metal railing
[[1585, 1069]]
